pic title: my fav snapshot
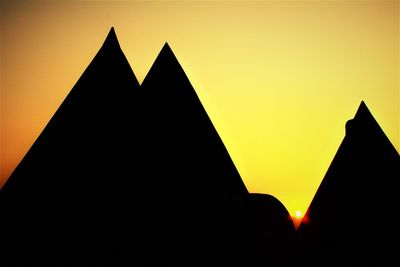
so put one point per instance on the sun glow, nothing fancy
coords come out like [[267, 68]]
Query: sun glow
[[298, 214], [297, 218]]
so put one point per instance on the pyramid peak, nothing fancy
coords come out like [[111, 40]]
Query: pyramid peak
[[111, 39], [112, 30], [166, 46], [165, 63], [362, 120], [363, 112], [166, 52]]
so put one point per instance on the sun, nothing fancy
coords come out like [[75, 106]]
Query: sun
[[298, 215]]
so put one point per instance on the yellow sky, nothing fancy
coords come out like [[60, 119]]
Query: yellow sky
[[278, 79]]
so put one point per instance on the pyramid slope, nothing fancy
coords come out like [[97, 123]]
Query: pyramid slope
[[353, 213]]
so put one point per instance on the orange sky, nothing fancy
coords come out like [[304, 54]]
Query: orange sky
[[278, 79]]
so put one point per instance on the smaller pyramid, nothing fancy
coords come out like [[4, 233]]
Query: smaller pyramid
[[353, 218], [187, 143], [194, 191]]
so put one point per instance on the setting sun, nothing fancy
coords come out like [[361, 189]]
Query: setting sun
[[298, 214], [297, 218]]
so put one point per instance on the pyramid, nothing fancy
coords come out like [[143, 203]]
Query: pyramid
[[182, 130], [196, 191], [353, 218], [57, 203], [213, 214]]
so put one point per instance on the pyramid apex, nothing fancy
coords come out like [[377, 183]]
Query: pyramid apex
[[166, 51], [166, 64], [111, 34], [166, 45], [111, 56], [362, 106], [111, 39], [362, 121], [363, 112]]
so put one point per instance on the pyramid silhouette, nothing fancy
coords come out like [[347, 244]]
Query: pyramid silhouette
[[353, 218], [195, 165], [125, 174], [56, 203], [180, 125]]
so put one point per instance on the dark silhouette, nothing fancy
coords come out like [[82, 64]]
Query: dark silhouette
[[134, 175], [198, 201], [196, 189], [353, 218], [56, 204], [270, 231], [180, 127]]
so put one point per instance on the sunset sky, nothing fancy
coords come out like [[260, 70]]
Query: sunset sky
[[279, 79]]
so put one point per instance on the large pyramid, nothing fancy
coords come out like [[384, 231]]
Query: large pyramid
[[353, 218], [125, 174], [56, 204]]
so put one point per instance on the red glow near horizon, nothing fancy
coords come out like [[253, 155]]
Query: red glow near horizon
[[298, 218]]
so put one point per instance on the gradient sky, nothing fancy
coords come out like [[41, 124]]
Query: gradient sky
[[279, 80]]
